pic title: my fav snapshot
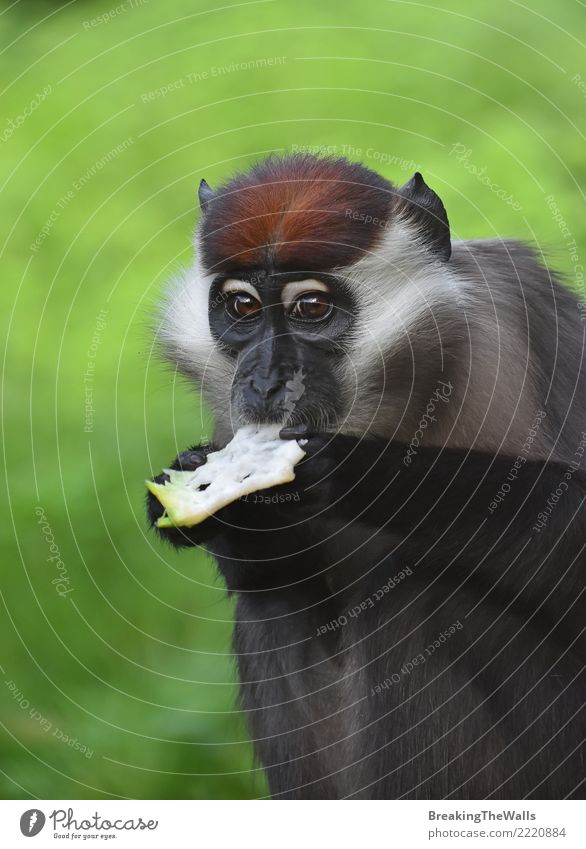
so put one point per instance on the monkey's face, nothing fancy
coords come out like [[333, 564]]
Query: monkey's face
[[315, 279], [285, 333]]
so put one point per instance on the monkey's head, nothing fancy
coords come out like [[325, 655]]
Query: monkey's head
[[310, 273]]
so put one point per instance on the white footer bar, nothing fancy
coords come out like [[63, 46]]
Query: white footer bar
[[294, 825]]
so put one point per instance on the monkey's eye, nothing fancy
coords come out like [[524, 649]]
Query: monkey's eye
[[311, 306], [242, 305]]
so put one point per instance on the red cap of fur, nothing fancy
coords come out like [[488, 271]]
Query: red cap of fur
[[298, 213]]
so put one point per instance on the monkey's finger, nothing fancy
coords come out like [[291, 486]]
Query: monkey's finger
[[188, 461]]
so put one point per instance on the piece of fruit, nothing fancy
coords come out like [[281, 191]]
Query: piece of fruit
[[255, 459]]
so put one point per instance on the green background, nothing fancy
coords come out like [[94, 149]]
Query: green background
[[133, 666]]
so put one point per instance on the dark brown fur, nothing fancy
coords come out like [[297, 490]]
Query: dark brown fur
[[295, 213]]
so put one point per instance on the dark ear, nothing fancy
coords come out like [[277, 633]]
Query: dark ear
[[205, 194], [419, 205]]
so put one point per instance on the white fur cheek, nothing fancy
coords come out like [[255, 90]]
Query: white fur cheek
[[184, 332], [400, 287]]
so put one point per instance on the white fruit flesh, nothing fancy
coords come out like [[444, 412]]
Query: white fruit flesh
[[255, 459]]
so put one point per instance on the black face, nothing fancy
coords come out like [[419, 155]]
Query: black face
[[286, 332]]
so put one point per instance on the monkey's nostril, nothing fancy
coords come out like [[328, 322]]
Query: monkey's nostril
[[266, 387]]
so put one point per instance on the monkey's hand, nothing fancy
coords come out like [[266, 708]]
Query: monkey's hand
[[187, 461], [264, 509], [317, 473], [343, 473]]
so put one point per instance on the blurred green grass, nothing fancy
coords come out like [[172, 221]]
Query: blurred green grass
[[134, 663]]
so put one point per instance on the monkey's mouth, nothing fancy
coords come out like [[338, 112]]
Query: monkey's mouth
[[316, 418], [260, 414]]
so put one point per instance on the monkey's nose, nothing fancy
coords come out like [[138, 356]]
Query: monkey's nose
[[266, 386]]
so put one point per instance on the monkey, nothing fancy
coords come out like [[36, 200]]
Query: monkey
[[409, 622]]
